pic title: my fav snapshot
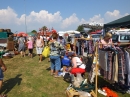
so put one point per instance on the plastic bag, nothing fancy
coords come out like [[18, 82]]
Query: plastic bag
[[78, 80], [46, 51]]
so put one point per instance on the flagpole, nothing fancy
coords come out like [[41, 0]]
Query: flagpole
[[25, 16]]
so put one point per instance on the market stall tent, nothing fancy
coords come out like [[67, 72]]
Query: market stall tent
[[121, 22]]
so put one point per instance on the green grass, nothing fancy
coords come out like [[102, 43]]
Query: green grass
[[25, 77]]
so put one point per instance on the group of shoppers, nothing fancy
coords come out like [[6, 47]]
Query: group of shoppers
[[68, 60]]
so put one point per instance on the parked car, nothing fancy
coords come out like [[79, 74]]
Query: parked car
[[121, 38], [96, 37]]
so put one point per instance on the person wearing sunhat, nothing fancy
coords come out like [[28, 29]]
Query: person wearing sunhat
[[55, 60]]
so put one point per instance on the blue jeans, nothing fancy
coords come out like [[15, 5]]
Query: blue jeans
[[1, 74], [55, 62]]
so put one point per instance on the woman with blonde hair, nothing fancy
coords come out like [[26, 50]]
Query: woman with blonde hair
[[106, 43]]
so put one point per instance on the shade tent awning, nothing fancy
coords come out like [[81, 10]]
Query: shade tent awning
[[31, 34], [22, 33], [121, 22], [61, 33]]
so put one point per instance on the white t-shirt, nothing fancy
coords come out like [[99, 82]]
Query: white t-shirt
[[79, 63]]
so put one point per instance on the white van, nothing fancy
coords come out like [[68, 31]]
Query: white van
[[121, 36]]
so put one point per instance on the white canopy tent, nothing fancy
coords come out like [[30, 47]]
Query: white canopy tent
[[61, 33], [72, 32]]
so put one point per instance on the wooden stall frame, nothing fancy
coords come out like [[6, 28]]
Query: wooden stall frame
[[96, 67]]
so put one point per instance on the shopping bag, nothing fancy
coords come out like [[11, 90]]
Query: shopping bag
[[46, 51]]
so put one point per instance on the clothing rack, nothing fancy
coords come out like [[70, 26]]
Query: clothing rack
[[96, 68], [81, 39], [97, 63]]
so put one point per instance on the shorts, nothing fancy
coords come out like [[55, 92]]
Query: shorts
[[55, 62], [1, 74], [30, 51], [39, 50]]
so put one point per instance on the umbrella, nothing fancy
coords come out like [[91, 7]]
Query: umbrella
[[22, 33]]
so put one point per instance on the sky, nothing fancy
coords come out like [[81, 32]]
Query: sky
[[61, 15]]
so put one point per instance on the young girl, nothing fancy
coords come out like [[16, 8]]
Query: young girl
[[30, 47]]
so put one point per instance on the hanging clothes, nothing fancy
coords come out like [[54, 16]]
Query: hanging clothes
[[103, 56], [91, 47], [127, 57], [109, 64], [115, 69], [121, 67]]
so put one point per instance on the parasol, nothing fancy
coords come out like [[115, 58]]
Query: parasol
[[22, 33]]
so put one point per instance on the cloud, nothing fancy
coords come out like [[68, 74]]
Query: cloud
[[97, 18], [73, 19], [44, 17], [35, 20], [8, 16], [110, 16]]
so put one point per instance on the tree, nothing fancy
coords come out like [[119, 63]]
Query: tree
[[34, 31], [93, 27], [44, 28], [80, 28]]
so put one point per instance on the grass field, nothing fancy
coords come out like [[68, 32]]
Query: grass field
[[25, 77]]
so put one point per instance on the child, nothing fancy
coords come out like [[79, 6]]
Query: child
[[66, 62], [30, 47]]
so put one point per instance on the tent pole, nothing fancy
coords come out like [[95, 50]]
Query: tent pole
[[96, 68]]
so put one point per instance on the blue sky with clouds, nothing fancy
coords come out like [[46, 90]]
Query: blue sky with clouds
[[62, 15]]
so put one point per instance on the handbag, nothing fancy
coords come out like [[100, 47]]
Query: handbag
[[46, 51]]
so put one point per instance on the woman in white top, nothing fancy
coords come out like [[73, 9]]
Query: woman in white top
[[77, 65], [39, 47]]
